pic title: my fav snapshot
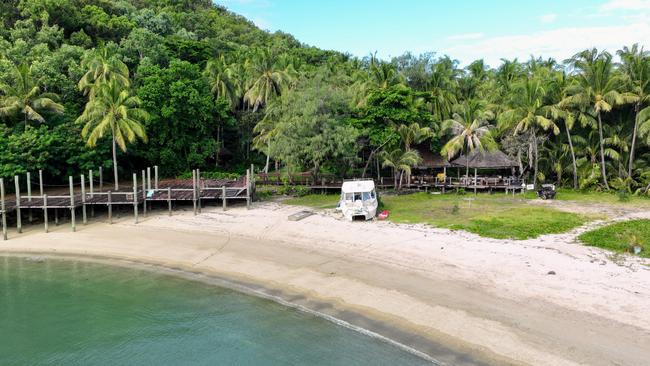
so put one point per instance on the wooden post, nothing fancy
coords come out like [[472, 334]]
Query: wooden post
[[19, 223], [155, 174], [56, 217], [101, 179], [92, 191], [40, 181], [3, 208], [83, 200], [248, 189], [223, 197], [148, 178], [252, 186], [110, 207], [475, 176], [194, 190], [198, 188], [29, 196], [144, 194], [45, 220], [72, 221], [135, 197], [169, 200]]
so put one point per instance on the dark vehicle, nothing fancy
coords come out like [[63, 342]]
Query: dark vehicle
[[547, 192]]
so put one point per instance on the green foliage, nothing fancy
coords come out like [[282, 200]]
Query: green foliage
[[211, 174], [621, 237]]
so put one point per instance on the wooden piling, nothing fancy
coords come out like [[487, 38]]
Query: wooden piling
[[72, 218], [40, 181], [144, 194], [56, 217], [19, 224], [101, 179], [92, 191], [223, 197], [3, 208], [83, 200], [148, 178], [29, 196], [45, 218], [135, 197], [194, 190], [248, 189], [169, 200], [155, 174], [110, 208], [198, 188], [475, 177]]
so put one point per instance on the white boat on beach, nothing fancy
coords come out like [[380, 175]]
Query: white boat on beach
[[358, 199]]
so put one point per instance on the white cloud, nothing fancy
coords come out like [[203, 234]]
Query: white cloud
[[548, 18], [560, 43], [466, 36], [612, 5]]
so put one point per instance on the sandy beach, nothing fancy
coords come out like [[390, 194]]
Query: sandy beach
[[460, 298]]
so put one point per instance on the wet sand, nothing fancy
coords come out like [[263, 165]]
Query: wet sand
[[462, 299]]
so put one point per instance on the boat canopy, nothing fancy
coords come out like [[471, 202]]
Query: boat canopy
[[358, 186]]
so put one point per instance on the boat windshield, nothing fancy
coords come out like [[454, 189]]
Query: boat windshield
[[359, 196]]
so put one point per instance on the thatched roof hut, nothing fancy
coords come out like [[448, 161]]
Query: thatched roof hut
[[430, 159], [485, 160]]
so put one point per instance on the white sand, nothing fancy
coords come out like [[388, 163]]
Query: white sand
[[489, 298]]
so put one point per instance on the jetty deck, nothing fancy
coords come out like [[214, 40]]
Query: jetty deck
[[142, 193]]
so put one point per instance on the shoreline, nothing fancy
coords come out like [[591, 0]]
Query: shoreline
[[403, 287]]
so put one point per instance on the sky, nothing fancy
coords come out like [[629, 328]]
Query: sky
[[465, 30]]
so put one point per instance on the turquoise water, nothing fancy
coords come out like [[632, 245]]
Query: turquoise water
[[57, 312]]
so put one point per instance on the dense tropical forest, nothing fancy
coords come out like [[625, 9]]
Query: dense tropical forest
[[186, 84]]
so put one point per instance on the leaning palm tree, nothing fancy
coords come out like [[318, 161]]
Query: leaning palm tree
[[413, 134], [102, 65], [267, 79], [222, 81], [401, 162], [469, 129], [597, 88], [528, 114], [113, 110], [24, 97], [636, 68]]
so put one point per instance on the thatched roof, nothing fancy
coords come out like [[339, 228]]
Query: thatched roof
[[429, 158], [486, 160]]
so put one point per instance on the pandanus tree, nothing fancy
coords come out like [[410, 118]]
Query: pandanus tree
[[115, 112], [469, 129], [528, 114], [24, 97], [596, 88], [636, 68]]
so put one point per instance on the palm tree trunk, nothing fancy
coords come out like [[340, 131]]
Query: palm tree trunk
[[268, 157], [401, 175], [535, 152], [602, 151], [117, 187], [573, 158], [636, 125]]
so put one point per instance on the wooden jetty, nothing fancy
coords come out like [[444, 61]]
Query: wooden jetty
[[83, 195]]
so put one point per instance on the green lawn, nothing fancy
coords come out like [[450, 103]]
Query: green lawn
[[620, 236], [564, 194], [495, 216]]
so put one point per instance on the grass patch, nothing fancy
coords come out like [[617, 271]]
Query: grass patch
[[320, 201], [495, 216], [620, 237], [564, 194]]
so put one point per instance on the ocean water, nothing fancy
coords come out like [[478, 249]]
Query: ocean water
[[65, 312]]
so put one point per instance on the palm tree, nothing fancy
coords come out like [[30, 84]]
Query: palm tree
[[528, 114], [401, 162], [267, 79], [25, 97], [266, 130], [113, 110], [596, 88], [222, 81], [103, 65], [636, 67], [469, 129], [413, 134]]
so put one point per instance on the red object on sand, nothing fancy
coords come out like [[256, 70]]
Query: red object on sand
[[383, 215]]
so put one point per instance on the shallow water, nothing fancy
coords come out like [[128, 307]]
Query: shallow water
[[60, 312]]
